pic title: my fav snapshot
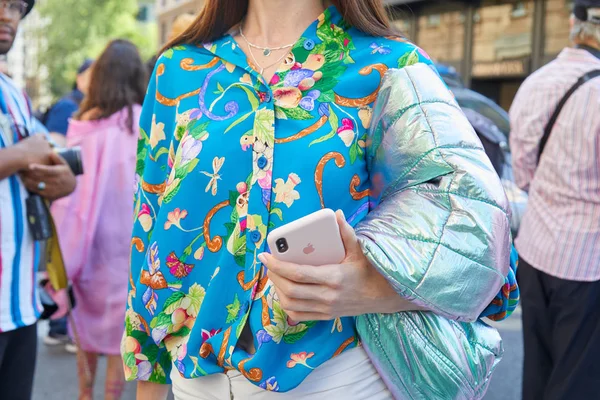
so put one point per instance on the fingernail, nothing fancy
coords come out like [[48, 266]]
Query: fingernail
[[263, 258]]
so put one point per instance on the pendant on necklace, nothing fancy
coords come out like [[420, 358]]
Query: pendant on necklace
[[267, 52]]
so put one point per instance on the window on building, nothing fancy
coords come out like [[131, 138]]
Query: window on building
[[443, 36], [503, 31]]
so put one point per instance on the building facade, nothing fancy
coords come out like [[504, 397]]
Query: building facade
[[493, 44], [168, 10]]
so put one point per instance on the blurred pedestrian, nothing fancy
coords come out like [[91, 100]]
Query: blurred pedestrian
[[27, 165], [56, 120], [556, 156], [94, 223]]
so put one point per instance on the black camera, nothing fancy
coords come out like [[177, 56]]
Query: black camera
[[73, 158], [37, 210]]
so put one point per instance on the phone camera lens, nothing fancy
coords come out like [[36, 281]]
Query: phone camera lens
[[282, 245]]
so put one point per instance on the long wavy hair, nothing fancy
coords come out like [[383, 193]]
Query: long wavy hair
[[119, 79], [219, 16]]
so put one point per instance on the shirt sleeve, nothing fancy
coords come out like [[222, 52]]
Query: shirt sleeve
[[146, 359], [527, 128], [58, 116]]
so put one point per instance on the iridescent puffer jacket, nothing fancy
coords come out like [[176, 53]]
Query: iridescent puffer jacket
[[440, 235]]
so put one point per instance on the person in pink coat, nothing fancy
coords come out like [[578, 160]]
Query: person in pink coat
[[94, 224]]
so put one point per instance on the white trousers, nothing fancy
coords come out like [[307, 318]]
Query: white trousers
[[350, 376]]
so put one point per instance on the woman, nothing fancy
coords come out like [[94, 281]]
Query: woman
[[229, 157], [94, 224]]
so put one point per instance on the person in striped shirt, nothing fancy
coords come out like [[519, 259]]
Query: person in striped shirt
[[27, 165], [559, 240]]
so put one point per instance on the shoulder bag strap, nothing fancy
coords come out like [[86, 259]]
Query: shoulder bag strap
[[548, 130]]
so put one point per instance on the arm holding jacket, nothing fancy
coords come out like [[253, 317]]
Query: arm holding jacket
[[441, 232]]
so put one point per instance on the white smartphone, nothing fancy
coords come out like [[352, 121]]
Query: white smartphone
[[311, 240]]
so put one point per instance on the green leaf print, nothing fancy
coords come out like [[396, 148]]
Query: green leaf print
[[239, 121], [151, 351], [128, 326], [251, 96], [279, 114], [173, 303], [354, 150], [158, 373], [168, 53], [220, 88], [233, 196], [240, 260], [264, 128], [278, 212], [140, 165], [334, 123], [182, 332], [196, 295], [276, 332], [408, 59], [179, 132], [230, 226], [279, 316], [160, 321], [327, 97], [240, 328], [233, 310], [160, 152], [298, 113], [291, 338], [191, 165], [141, 337], [326, 84], [171, 193], [322, 138], [165, 359], [129, 360], [197, 129]]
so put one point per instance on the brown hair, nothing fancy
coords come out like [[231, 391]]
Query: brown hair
[[119, 79], [219, 16]]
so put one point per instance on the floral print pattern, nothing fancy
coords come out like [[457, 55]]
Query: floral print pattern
[[228, 158]]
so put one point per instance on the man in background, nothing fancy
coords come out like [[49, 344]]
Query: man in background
[[27, 165], [57, 117], [559, 240]]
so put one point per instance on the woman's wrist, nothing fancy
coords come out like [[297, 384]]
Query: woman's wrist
[[386, 300]]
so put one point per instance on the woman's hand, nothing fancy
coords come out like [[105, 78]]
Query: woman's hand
[[316, 293]]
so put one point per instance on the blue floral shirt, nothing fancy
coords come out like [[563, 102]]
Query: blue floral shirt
[[224, 158]]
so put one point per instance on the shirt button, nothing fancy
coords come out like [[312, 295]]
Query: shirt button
[[262, 162], [309, 44], [255, 236]]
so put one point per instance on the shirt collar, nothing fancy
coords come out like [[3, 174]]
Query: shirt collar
[[572, 53], [227, 48]]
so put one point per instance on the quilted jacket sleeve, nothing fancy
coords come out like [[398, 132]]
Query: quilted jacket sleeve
[[440, 232]]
